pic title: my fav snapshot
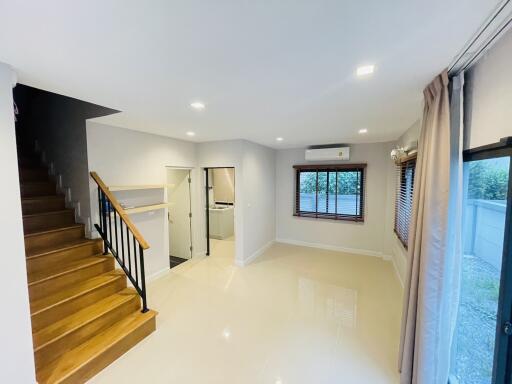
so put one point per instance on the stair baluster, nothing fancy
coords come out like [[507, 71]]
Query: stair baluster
[[109, 208]]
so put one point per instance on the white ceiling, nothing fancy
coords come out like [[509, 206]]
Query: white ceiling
[[263, 68]]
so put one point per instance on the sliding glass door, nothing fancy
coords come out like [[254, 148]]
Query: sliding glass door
[[481, 342]]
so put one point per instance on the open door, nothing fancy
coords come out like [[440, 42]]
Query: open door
[[482, 349], [180, 215], [219, 209]]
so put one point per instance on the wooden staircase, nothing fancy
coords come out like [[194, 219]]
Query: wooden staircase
[[83, 315]]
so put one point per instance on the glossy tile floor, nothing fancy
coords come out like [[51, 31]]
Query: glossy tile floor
[[295, 315]]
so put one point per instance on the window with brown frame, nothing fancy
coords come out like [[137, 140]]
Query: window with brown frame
[[404, 195], [334, 192]]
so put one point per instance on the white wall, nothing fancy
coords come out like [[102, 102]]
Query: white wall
[[140, 158], [16, 354], [394, 245], [223, 185], [259, 164], [254, 192], [223, 154], [368, 237], [488, 96], [411, 135]]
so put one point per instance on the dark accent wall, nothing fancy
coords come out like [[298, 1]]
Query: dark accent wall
[[58, 124]]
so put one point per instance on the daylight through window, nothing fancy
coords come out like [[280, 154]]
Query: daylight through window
[[404, 194], [330, 191]]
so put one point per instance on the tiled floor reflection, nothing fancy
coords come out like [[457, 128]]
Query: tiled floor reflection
[[295, 315]]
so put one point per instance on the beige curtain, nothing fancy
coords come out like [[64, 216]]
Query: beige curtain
[[432, 283]]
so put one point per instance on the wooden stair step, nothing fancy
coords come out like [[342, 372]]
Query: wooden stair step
[[83, 362], [28, 174], [51, 308], [38, 188], [50, 273], [53, 237], [37, 204], [83, 315], [51, 248], [47, 220], [69, 332], [45, 282], [55, 255]]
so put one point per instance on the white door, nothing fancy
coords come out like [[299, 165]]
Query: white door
[[178, 197]]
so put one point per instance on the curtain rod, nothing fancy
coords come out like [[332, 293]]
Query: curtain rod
[[452, 70], [482, 49]]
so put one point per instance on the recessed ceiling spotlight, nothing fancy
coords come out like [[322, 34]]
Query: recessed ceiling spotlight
[[279, 139], [190, 133], [197, 105], [363, 131], [365, 70]]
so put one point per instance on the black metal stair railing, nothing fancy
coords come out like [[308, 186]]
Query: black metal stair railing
[[121, 238]]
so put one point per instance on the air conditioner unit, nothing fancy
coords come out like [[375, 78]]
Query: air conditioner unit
[[337, 153]]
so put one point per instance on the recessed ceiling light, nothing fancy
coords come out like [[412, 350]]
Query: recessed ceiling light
[[363, 131], [197, 105], [365, 70], [279, 139], [191, 133]]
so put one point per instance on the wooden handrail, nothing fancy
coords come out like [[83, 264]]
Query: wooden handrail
[[120, 210]]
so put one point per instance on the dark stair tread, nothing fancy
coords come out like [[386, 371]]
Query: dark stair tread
[[42, 197], [47, 183], [48, 213], [51, 230], [48, 228], [37, 182]]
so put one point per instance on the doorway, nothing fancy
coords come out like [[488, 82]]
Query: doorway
[[179, 215], [481, 347], [220, 211]]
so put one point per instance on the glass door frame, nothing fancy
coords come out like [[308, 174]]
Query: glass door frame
[[502, 369], [207, 209], [207, 202], [190, 176]]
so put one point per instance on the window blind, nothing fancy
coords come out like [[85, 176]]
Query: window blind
[[404, 196], [332, 191]]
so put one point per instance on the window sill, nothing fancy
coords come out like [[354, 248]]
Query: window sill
[[329, 217]]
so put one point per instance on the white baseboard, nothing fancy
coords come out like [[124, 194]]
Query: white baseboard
[[397, 273], [158, 274], [199, 254], [250, 259], [398, 254], [164, 272], [337, 248]]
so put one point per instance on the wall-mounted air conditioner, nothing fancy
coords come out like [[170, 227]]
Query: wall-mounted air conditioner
[[336, 153]]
